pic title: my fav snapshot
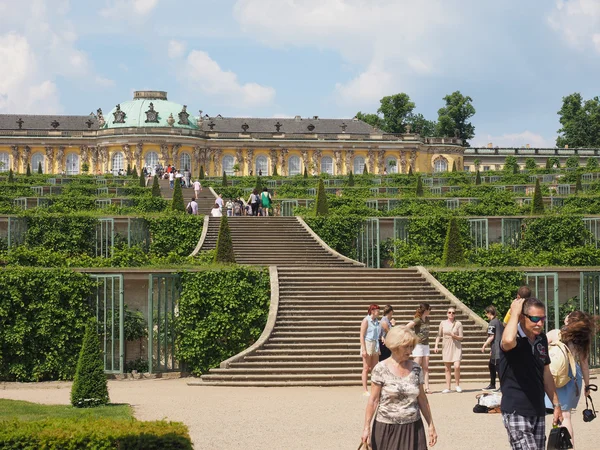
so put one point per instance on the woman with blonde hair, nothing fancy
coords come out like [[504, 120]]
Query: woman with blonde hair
[[398, 397], [420, 324], [369, 343], [452, 332]]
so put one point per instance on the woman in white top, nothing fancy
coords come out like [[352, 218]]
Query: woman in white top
[[420, 325], [216, 211], [369, 343]]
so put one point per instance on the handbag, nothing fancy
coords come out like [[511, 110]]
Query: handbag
[[559, 439], [589, 414]]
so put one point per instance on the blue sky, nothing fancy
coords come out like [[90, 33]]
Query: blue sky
[[331, 58]]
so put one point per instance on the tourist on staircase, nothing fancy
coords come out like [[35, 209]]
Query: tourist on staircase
[[387, 322], [216, 211], [421, 353], [265, 200], [369, 343], [197, 188], [398, 396], [254, 201], [451, 330], [495, 329]]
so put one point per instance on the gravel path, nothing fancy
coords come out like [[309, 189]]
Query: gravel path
[[289, 418]]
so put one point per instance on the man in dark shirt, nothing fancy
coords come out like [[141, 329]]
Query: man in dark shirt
[[495, 329], [525, 376]]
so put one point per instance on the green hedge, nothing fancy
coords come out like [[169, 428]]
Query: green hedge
[[62, 434], [339, 232], [221, 312], [43, 314], [176, 233]]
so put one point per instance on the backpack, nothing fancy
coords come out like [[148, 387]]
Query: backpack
[[560, 360], [237, 209], [189, 208]]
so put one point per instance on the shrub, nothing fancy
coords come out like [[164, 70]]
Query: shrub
[[224, 252], [338, 231], [258, 185], [201, 174], [554, 233], [454, 166], [419, 191], [477, 178], [128, 172], [530, 163], [578, 186], [174, 233], [572, 162], [90, 387], [221, 313], [305, 172], [134, 172], [177, 203], [321, 208], [350, 178], [156, 187], [591, 163], [365, 170], [224, 181], [28, 171], [410, 171], [39, 168], [142, 179], [511, 164], [275, 171], [11, 176], [453, 248], [537, 205]]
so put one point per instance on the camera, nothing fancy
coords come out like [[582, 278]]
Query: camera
[[588, 415]]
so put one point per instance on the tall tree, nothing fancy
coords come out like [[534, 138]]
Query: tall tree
[[453, 119], [372, 119], [396, 109], [580, 122], [420, 125]]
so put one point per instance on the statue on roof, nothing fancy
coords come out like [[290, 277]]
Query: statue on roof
[[184, 116], [151, 114], [119, 115]]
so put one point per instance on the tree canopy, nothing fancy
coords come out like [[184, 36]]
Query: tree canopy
[[453, 119], [580, 122]]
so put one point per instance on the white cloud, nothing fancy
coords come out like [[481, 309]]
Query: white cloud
[[176, 49], [578, 21], [514, 140], [419, 66], [144, 6], [104, 82], [206, 75], [125, 9], [366, 88]]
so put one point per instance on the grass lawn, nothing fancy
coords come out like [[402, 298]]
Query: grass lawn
[[26, 411]]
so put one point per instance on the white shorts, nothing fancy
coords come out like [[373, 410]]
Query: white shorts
[[421, 350], [371, 348]]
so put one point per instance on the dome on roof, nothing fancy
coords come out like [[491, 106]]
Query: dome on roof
[[150, 109]]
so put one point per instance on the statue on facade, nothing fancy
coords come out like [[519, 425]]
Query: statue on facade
[[119, 115]]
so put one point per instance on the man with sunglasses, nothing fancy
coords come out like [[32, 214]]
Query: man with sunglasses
[[525, 376]]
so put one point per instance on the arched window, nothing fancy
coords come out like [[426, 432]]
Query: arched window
[[117, 163], [185, 162], [262, 165], [359, 165], [4, 162], [327, 165], [72, 164], [151, 160], [228, 164], [36, 160], [440, 164], [294, 165], [391, 164]]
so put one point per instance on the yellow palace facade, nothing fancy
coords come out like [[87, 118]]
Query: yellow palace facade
[[150, 131]]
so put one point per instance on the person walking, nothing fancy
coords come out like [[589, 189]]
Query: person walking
[[577, 334], [265, 199], [525, 376], [197, 188], [369, 343], [398, 397], [192, 206], [495, 329], [216, 211], [421, 352], [172, 180], [387, 322], [254, 201], [452, 332], [219, 201]]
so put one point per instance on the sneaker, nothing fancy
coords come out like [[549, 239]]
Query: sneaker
[[490, 387], [366, 394], [446, 391], [458, 389]]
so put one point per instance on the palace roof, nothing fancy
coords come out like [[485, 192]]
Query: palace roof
[[52, 122]]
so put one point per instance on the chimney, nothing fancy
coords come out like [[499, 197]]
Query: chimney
[[527, 146], [566, 145], [490, 145], [316, 117], [297, 118]]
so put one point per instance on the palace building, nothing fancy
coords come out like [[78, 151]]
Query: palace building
[[151, 130]]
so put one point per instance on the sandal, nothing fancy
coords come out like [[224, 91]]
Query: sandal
[[428, 391]]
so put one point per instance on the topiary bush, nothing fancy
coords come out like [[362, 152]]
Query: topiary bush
[[321, 207], [156, 187], [419, 190], [454, 254], [224, 181], [90, 387], [350, 179], [39, 168], [177, 203], [142, 179], [477, 178], [537, 205], [224, 252]]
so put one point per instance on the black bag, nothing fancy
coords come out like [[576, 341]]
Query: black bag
[[559, 439], [189, 208], [589, 414]]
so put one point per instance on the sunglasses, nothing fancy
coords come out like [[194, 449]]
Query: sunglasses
[[535, 319], [451, 312]]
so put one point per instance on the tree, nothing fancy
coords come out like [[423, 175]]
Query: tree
[[396, 109], [454, 166], [134, 171], [275, 171], [224, 253], [11, 176], [28, 171], [322, 209], [537, 205], [591, 163], [419, 191], [236, 168], [305, 172], [420, 125], [258, 186], [454, 253], [511, 164], [39, 168], [128, 169], [372, 119], [156, 187], [410, 171], [142, 179], [530, 163], [477, 163], [177, 203], [572, 162], [553, 162], [90, 387], [201, 174], [477, 178], [350, 179], [580, 122], [365, 170], [453, 119], [578, 186], [224, 181]]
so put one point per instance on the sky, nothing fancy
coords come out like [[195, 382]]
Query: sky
[[516, 59]]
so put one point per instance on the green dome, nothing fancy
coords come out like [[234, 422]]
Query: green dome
[[149, 109]]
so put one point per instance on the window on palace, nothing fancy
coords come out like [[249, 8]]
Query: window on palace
[[440, 165], [467, 168], [4, 162], [36, 160], [294, 165], [185, 162], [72, 164], [262, 165], [359, 165], [151, 160], [228, 164], [327, 165], [117, 163], [486, 168], [393, 167]]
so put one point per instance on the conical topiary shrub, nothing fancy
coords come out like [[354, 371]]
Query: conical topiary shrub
[[578, 186], [454, 254], [365, 170], [89, 386], [410, 172], [28, 172], [419, 191], [39, 169], [224, 252], [537, 205], [134, 171], [142, 179], [258, 186], [177, 202], [275, 174], [128, 172], [453, 166], [11, 176], [477, 178], [321, 209], [224, 181], [201, 174], [156, 187], [305, 172], [350, 179]]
